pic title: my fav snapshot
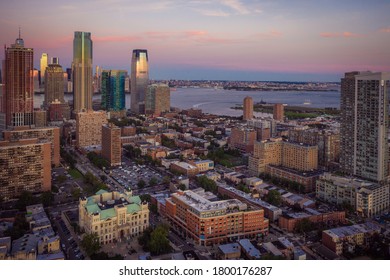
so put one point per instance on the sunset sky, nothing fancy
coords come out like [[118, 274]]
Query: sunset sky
[[299, 40]]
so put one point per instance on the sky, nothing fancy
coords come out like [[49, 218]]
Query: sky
[[274, 40]]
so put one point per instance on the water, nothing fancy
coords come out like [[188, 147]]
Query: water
[[220, 101]]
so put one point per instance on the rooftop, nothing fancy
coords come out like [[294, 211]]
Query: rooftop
[[342, 232]]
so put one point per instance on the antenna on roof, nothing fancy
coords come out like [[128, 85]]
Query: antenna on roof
[[19, 32]]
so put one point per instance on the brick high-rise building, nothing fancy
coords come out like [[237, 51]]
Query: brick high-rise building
[[364, 125], [278, 113], [247, 108], [111, 144], [89, 128], [19, 84], [25, 165], [49, 134], [242, 139]]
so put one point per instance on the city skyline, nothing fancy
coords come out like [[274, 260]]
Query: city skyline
[[226, 40]]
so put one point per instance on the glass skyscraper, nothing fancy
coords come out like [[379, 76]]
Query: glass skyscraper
[[82, 72], [113, 90], [139, 80]]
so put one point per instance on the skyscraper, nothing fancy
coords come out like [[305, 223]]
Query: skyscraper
[[248, 109], [139, 80], [54, 85], [364, 125], [43, 64], [157, 99], [19, 85], [82, 72], [113, 90]]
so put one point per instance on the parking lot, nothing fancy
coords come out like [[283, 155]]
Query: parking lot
[[131, 173]]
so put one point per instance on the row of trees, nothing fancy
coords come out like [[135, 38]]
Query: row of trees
[[98, 160], [207, 184], [284, 183], [94, 184], [68, 158]]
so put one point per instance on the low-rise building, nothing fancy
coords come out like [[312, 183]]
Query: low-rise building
[[184, 168], [113, 215], [213, 222], [231, 251], [368, 199], [343, 239]]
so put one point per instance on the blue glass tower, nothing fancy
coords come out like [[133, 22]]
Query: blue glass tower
[[113, 90]]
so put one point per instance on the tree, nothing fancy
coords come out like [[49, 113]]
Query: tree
[[273, 197], [26, 198], [208, 184], [61, 179], [153, 181], [156, 241], [159, 243], [141, 184], [166, 180], [76, 193], [47, 198], [91, 243], [145, 197], [19, 228], [304, 226], [182, 187]]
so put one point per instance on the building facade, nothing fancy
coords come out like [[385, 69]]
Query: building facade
[[49, 134], [113, 90], [139, 80], [25, 165], [364, 125], [278, 112], [19, 84], [242, 139], [43, 63], [157, 99], [113, 216], [111, 144], [82, 72], [368, 199], [54, 84], [247, 108], [213, 222], [89, 128], [342, 239]]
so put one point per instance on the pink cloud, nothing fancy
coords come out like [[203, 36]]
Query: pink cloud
[[270, 34], [385, 30], [106, 39], [345, 34], [159, 35]]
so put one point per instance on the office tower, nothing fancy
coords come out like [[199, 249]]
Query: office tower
[[43, 64], [113, 90], [111, 144], [248, 108], [364, 125], [55, 60], [139, 80], [157, 99], [45, 134], [82, 72], [69, 72], [278, 112], [25, 165], [36, 78], [89, 128], [19, 84], [54, 85]]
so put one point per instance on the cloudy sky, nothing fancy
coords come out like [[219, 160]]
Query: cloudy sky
[[288, 40]]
